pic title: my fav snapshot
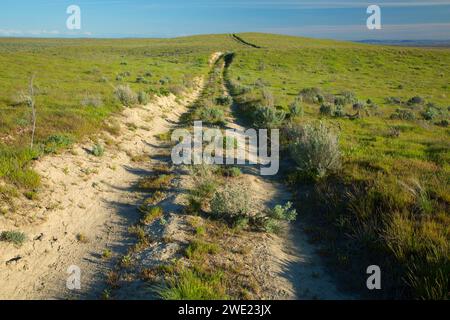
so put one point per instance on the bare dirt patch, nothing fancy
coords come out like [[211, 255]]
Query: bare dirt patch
[[85, 197]]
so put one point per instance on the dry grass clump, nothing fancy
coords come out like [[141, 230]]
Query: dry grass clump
[[162, 181]]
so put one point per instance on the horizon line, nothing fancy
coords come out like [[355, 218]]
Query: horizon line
[[131, 37]]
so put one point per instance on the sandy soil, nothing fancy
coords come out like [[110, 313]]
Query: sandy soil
[[85, 197], [287, 266]]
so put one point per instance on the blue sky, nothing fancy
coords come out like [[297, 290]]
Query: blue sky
[[338, 19]]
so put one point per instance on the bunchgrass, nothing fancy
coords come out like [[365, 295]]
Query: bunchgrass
[[162, 181], [197, 249], [193, 285], [15, 237], [151, 214]]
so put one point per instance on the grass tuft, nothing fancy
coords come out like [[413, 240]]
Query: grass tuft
[[15, 237]]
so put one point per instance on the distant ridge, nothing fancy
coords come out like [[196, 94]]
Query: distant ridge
[[410, 43]]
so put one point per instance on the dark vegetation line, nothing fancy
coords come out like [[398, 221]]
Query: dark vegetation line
[[245, 43]]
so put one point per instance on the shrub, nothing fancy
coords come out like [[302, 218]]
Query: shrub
[[284, 213], [98, 150], [143, 97], [319, 99], [268, 98], [349, 97], [312, 95], [165, 80], [270, 221], [126, 95], [329, 97], [212, 115], [123, 75], [237, 88], [315, 149], [55, 143], [92, 101], [232, 202], [430, 113], [272, 226], [230, 171], [359, 106], [339, 101], [276, 215], [403, 115], [141, 79], [224, 100], [241, 222], [415, 100], [443, 123], [15, 237], [372, 104], [326, 109], [338, 111], [203, 189], [176, 90], [268, 117], [21, 98], [261, 83], [393, 100], [394, 132], [296, 110], [165, 92]]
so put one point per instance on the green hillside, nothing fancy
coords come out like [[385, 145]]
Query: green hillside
[[388, 203]]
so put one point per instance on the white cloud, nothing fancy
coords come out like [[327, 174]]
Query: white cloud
[[40, 33], [10, 32]]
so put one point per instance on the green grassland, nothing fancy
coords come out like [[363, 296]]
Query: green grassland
[[75, 81], [370, 72], [387, 205]]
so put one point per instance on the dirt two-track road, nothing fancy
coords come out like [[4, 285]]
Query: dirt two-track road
[[88, 203]]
